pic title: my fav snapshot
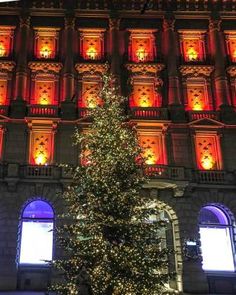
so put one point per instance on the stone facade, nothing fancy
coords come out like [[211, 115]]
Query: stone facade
[[159, 53]]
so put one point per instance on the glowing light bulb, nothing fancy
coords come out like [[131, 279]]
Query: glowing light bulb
[[192, 54], [41, 159], [2, 50], [91, 53], [45, 52], [207, 162], [197, 106], [141, 54], [149, 156]]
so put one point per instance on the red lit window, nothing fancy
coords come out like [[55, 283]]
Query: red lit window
[[141, 47], [92, 44], [46, 43], [208, 152], [192, 46], [41, 145], [197, 97], [3, 91], [153, 149], [144, 95], [90, 94], [1, 140], [231, 45], [6, 38], [44, 92]]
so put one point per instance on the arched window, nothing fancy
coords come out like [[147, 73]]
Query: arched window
[[216, 244], [36, 241]]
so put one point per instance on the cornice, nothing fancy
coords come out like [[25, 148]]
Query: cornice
[[91, 68], [7, 66], [196, 70], [146, 69], [45, 67]]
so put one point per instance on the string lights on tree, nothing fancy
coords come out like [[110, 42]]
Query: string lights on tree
[[111, 246]]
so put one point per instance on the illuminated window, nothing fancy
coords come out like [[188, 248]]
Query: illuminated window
[[216, 244], [144, 95], [192, 46], [142, 46], [90, 94], [153, 149], [197, 97], [44, 92], [46, 40], [231, 45], [208, 152], [3, 91], [6, 39], [36, 240], [92, 44]]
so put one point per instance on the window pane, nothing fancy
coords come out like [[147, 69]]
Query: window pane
[[38, 209], [36, 242], [216, 249]]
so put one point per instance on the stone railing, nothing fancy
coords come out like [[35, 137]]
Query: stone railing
[[214, 177], [40, 171], [196, 115], [167, 172], [149, 113], [42, 111]]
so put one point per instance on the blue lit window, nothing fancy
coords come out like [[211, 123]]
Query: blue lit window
[[36, 243], [216, 244]]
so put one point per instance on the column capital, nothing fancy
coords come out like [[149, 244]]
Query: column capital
[[168, 23], [69, 22], [114, 23], [215, 24], [25, 21]]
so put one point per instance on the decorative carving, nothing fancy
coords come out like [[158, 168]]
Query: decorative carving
[[232, 71], [196, 70], [91, 69], [45, 67], [169, 24], [114, 23], [7, 66], [69, 22], [145, 69], [196, 97], [214, 24], [25, 21]]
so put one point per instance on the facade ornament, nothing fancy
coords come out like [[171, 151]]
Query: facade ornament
[[24, 21], [168, 23], [91, 69], [196, 70], [232, 71], [114, 23], [214, 24], [45, 67], [69, 22], [7, 66], [145, 69]]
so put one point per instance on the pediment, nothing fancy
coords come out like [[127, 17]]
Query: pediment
[[206, 122]]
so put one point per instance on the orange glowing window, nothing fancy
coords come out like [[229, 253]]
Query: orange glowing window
[[208, 152], [3, 92], [231, 46], [197, 98], [193, 48], [90, 94], [144, 95], [92, 44], [44, 92], [153, 149], [41, 148], [5, 42], [141, 48], [46, 40]]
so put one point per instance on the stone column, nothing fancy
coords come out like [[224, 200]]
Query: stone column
[[170, 51], [22, 68], [18, 106], [218, 54], [114, 24], [68, 71]]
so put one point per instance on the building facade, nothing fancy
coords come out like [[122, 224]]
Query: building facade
[[176, 63]]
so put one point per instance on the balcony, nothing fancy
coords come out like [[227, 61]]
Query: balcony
[[213, 177], [165, 172], [45, 54], [196, 115], [149, 113], [42, 111], [40, 171]]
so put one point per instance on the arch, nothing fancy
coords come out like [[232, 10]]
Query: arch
[[36, 233], [173, 237], [216, 235]]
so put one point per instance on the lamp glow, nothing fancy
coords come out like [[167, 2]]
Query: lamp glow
[[43, 100], [197, 106], [41, 159], [91, 53], [45, 52], [141, 54], [207, 162], [144, 102], [192, 54], [2, 50], [149, 156]]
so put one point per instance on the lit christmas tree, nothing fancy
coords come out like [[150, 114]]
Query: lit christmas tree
[[112, 247]]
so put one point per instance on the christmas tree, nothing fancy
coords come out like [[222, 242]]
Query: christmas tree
[[111, 245]]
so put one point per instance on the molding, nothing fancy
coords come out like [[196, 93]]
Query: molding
[[196, 70], [7, 66], [146, 69], [231, 71], [91, 68], [45, 67]]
